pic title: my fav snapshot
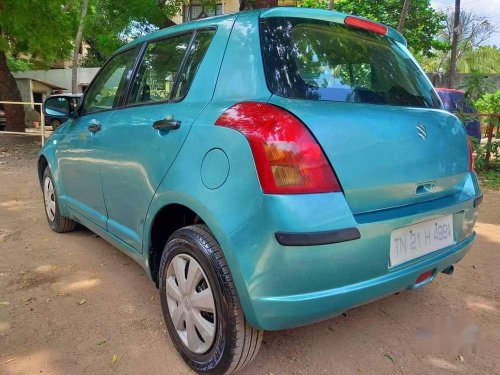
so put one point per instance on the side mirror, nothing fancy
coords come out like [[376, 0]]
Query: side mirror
[[57, 106]]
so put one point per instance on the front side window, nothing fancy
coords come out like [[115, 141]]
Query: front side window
[[105, 91], [320, 60]]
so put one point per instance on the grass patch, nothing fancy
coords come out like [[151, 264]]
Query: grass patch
[[490, 178]]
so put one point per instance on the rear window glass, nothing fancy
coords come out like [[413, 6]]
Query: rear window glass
[[319, 60]]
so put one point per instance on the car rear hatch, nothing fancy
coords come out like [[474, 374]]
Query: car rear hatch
[[370, 107]]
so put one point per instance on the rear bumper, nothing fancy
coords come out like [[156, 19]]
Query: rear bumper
[[289, 311], [288, 285]]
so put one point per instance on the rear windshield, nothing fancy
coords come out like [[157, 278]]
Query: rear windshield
[[319, 60]]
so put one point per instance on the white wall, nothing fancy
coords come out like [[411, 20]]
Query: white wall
[[60, 77]]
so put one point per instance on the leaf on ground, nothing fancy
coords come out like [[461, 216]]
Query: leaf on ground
[[82, 302], [389, 357], [114, 358], [4, 303], [102, 342], [7, 361]]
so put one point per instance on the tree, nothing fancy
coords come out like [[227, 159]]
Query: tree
[[454, 44], [23, 33], [473, 32], [420, 28], [112, 23], [78, 43], [404, 14]]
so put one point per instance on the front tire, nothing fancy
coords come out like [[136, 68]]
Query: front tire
[[57, 222], [201, 306], [55, 124]]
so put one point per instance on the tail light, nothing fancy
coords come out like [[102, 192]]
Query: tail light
[[471, 156], [288, 159], [362, 24]]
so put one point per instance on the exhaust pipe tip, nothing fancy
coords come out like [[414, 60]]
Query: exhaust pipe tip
[[449, 270]]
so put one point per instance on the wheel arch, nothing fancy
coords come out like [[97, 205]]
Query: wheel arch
[[165, 216], [42, 164]]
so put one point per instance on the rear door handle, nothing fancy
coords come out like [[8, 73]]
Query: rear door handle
[[95, 127], [168, 123]]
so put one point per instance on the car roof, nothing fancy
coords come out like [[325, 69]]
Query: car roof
[[294, 12]]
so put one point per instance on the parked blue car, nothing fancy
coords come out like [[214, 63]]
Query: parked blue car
[[453, 102], [268, 169]]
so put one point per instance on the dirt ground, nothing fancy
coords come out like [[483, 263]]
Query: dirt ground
[[73, 304]]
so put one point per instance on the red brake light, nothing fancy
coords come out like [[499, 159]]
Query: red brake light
[[360, 23], [471, 156], [288, 159]]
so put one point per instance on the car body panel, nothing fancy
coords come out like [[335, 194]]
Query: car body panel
[[214, 175], [378, 155], [128, 168], [78, 161], [324, 15], [297, 281]]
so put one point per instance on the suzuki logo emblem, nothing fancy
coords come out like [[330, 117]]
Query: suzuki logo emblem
[[421, 131]]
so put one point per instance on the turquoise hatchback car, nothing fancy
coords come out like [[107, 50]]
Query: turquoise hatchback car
[[268, 169]]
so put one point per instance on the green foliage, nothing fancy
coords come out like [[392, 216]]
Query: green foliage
[[489, 103], [421, 27], [112, 23], [473, 32], [42, 29], [487, 158], [485, 59], [476, 86], [481, 164], [319, 4], [490, 178], [18, 65]]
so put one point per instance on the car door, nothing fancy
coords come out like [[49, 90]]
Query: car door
[[142, 139], [78, 144]]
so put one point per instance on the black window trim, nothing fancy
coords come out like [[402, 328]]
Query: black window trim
[[193, 33], [119, 93]]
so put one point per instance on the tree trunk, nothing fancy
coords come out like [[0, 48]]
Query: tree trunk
[[331, 4], [404, 13], [489, 139], [454, 43], [14, 114], [78, 43]]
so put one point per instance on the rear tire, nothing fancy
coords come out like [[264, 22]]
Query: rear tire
[[235, 343], [57, 222]]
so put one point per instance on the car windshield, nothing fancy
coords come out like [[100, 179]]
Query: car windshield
[[319, 60]]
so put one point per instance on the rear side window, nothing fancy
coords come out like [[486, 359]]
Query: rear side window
[[319, 60], [168, 68], [159, 68], [196, 53]]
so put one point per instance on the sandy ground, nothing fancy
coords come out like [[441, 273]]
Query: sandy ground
[[73, 304]]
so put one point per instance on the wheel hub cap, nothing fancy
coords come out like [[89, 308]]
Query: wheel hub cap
[[191, 303], [49, 198]]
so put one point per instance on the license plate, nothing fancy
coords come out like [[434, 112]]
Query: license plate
[[415, 240]]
